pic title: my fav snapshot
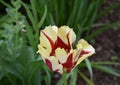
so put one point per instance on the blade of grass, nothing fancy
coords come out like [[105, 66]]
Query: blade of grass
[[60, 82], [100, 30], [88, 81], [6, 4], [108, 70], [31, 36], [88, 64], [29, 14], [73, 78], [43, 18], [34, 9], [106, 63], [71, 17], [56, 11], [79, 13]]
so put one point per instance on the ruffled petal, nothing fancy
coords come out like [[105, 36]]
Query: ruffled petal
[[44, 52], [45, 44], [86, 50], [69, 64], [53, 64], [48, 37], [61, 55], [65, 38], [51, 32], [63, 32], [71, 37]]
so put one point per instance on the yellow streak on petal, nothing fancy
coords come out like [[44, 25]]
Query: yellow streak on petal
[[61, 55]]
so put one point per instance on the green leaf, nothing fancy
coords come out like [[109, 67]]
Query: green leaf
[[88, 64], [73, 77], [88, 81], [61, 82], [108, 70], [101, 29], [34, 9], [43, 18], [106, 63], [29, 14]]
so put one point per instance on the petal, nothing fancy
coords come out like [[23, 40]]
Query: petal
[[53, 64], [84, 45], [63, 32], [69, 64], [72, 37], [66, 37], [86, 50], [66, 59], [48, 38], [45, 44], [51, 32], [61, 55], [44, 52]]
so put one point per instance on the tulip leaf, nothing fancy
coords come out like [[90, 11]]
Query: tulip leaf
[[43, 18], [88, 64], [108, 70], [106, 63], [73, 77], [61, 82], [88, 81], [101, 29]]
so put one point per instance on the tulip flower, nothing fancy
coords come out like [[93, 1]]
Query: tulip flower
[[56, 48]]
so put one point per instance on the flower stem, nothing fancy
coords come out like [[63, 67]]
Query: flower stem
[[64, 78]]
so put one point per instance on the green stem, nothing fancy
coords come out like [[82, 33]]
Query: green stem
[[64, 78]]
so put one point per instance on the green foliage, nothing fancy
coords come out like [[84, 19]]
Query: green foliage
[[19, 36]]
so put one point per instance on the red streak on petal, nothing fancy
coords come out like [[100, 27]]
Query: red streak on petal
[[81, 54], [49, 64], [61, 44], [68, 65], [84, 52], [51, 43]]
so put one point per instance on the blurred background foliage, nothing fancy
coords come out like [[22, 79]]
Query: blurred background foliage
[[20, 24]]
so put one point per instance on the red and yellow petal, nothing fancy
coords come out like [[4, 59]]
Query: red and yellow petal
[[61, 55], [48, 37], [86, 50], [71, 37], [44, 46], [53, 64], [51, 32], [66, 34], [63, 32]]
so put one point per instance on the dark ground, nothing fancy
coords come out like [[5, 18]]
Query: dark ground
[[107, 47]]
